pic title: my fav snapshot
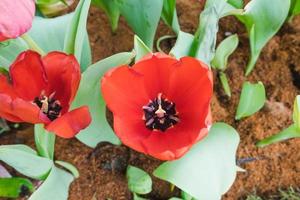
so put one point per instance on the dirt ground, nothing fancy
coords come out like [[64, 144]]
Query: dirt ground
[[277, 166]]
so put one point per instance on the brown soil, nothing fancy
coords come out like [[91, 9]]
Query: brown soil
[[276, 166]]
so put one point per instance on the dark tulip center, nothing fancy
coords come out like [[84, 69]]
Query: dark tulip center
[[160, 114], [49, 106]]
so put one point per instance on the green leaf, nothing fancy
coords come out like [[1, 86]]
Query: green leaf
[[44, 141], [138, 180], [25, 160], [137, 197], [252, 99], [9, 50], [183, 45], [176, 198], [76, 32], [69, 167], [236, 3], [201, 172], [55, 187], [12, 187], [224, 7], [169, 15], [295, 8], [140, 48], [52, 8], [186, 196], [111, 9], [224, 50], [53, 39], [143, 17], [262, 22], [291, 132], [225, 84], [204, 42], [296, 112], [89, 94]]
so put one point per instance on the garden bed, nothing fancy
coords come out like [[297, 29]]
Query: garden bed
[[102, 170]]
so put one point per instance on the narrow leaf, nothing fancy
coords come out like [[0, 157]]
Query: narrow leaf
[[76, 32], [89, 94], [111, 9], [296, 112], [252, 99], [294, 9], [201, 172], [69, 167], [44, 141], [169, 15], [289, 133], [225, 84], [204, 43], [138, 180]]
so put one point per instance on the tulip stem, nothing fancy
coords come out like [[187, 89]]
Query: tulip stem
[[32, 44]]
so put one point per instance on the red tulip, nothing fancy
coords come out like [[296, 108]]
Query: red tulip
[[40, 90], [161, 106], [15, 18]]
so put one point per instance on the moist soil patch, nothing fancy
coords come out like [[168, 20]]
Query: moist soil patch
[[102, 170]]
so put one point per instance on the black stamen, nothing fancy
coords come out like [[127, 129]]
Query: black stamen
[[49, 106], [160, 114]]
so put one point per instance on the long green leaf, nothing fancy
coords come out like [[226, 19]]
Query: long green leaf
[[143, 17], [25, 160], [169, 15], [76, 32], [208, 170], [111, 9], [89, 94], [263, 18], [296, 112], [44, 141], [289, 133], [252, 99], [294, 9]]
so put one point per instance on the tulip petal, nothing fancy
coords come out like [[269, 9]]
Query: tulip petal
[[124, 92], [68, 125], [63, 73], [28, 75], [6, 87], [26, 111], [15, 18], [6, 111], [157, 70]]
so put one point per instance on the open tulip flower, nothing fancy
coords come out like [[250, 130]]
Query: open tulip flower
[[40, 90], [15, 18], [161, 105]]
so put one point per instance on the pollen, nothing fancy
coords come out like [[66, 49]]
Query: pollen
[[160, 114], [49, 106]]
